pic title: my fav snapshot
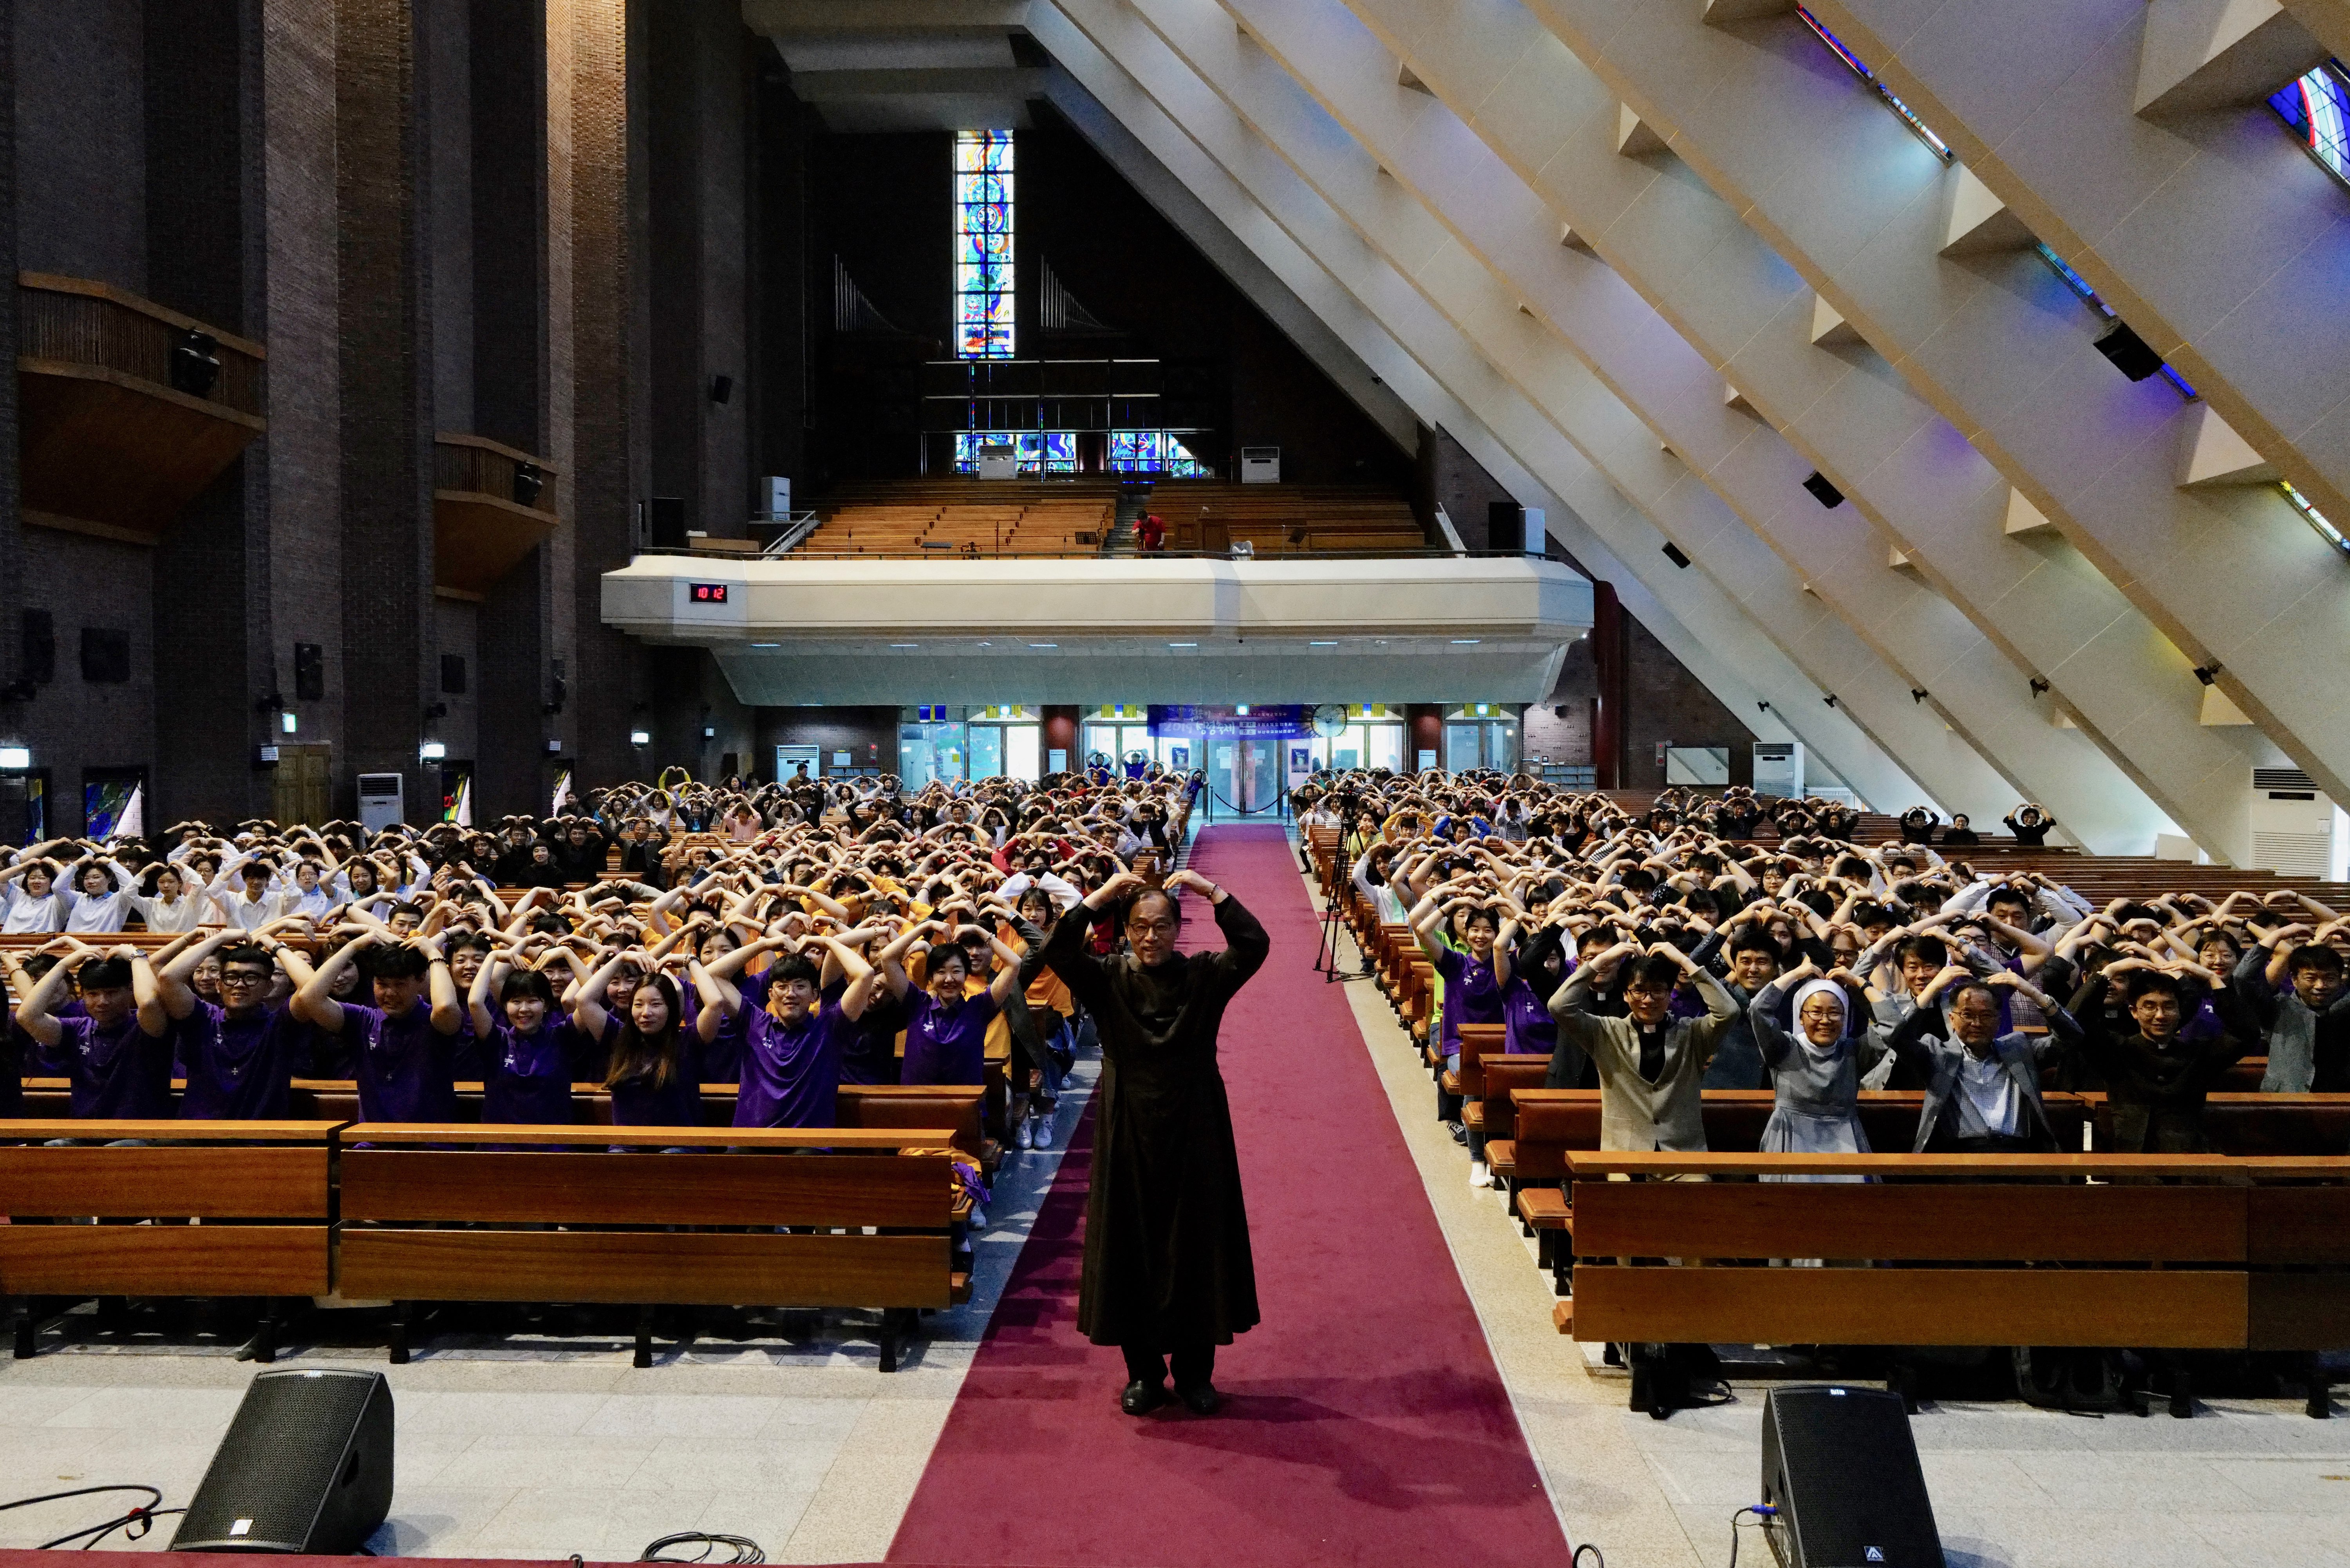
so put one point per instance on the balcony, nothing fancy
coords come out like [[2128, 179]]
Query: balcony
[[846, 630], [128, 411], [491, 505]]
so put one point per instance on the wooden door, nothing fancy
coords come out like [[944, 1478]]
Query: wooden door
[[301, 786]]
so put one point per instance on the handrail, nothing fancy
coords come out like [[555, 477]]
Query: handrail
[[801, 524]]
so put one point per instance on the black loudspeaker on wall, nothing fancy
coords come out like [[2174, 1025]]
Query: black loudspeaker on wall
[[1840, 1467], [305, 1468]]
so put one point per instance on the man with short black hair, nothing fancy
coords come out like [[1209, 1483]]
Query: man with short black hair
[[403, 1065], [1651, 1064], [118, 1055], [2156, 1078], [239, 1055]]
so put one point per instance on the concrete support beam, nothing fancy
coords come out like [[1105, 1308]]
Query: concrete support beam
[[2218, 54], [2218, 240], [1857, 206], [1849, 422], [1734, 660], [1446, 368]]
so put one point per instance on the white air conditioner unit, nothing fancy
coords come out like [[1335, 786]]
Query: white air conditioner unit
[[998, 460], [1260, 465], [778, 491], [1779, 768], [381, 802], [2293, 824]]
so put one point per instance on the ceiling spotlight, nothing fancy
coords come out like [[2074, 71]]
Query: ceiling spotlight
[[1918, 694], [2207, 673], [2038, 686], [1829, 699]]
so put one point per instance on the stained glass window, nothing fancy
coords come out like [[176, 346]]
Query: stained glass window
[[2313, 517], [1942, 148], [1034, 451], [2090, 297], [2317, 106], [1155, 452], [982, 245]]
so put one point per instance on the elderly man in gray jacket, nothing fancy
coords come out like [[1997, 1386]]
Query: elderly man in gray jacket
[[1651, 1064], [1983, 1087]]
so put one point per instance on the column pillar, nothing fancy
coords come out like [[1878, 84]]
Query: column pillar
[[1423, 727]]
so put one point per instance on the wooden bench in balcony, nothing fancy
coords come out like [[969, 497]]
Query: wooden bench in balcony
[[491, 505], [128, 410]]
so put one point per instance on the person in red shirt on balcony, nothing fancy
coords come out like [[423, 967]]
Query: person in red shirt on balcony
[[1151, 534]]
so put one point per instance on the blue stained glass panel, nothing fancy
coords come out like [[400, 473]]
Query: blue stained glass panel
[[984, 245], [2317, 106]]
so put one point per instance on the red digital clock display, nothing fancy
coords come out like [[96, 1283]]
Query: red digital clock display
[[709, 593]]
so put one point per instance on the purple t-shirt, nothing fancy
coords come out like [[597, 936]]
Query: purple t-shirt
[[123, 1074], [791, 1073], [1528, 1027], [1471, 993], [638, 1102], [721, 1059], [404, 1068], [528, 1077], [239, 1068], [947, 1044]]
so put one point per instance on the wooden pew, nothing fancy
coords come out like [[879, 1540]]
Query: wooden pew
[[957, 1106], [261, 1190], [2165, 1252], [1551, 1127], [559, 1221]]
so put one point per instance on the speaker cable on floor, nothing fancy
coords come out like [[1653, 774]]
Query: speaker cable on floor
[[136, 1523]]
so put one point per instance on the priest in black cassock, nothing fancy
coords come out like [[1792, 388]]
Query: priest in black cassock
[[1167, 1273]]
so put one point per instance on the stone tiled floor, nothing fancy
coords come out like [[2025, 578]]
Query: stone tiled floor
[[538, 1447]]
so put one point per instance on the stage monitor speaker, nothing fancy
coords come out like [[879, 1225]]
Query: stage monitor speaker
[[305, 1468], [1840, 1467]]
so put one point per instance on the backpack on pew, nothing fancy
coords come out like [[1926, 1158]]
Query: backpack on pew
[[2077, 1380], [1670, 1377]]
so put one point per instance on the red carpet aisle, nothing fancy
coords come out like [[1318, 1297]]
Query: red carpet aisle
[[1364, 1424]]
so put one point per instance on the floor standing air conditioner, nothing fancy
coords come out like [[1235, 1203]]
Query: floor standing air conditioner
[[1260, 465], [2293, 824], [1779, 768], [380, 801]]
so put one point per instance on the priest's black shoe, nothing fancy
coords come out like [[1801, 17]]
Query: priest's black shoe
[[1202, 1400], [1140, 1398]]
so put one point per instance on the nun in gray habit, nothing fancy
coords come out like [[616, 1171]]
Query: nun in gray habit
[[1816, 1050]]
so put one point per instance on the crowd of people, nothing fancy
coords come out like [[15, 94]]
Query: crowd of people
[[794, 936], [1656, 955], [785, 938]]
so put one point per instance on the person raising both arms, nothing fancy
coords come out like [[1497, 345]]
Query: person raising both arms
[[404, 1059], [1166, 1266]]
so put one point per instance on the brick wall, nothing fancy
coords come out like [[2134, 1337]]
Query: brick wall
[[386, 500], [80, 140], [296, 572], [1665, 702]]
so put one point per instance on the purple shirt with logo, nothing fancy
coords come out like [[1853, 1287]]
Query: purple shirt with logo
[[404, 1068]]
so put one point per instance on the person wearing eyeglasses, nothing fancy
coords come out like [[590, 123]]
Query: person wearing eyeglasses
[[1168, 1272], [239, 1055]]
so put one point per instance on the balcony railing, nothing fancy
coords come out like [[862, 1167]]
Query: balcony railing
[[491, 505], [128, 409]]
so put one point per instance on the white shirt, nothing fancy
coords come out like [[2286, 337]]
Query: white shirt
[[1065, 897], [250, 914], [28, 913], [172, 919]]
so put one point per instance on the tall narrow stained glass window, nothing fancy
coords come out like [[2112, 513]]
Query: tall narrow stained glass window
[[2317, 106], [982, 245]]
